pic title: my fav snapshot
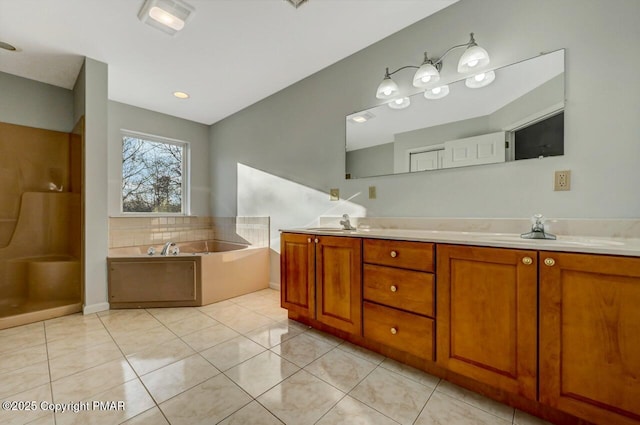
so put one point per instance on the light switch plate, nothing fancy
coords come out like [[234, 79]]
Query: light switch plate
[[334, 194]]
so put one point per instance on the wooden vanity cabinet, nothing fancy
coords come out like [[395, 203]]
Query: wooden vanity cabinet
[[590, 336], [487, 316], [321, 279]]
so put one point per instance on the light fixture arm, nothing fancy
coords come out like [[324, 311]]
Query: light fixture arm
[[438, 62], [388, 74]]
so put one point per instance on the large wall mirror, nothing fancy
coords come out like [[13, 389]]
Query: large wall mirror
[[520, 115]]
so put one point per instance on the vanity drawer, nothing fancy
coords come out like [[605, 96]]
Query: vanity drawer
[[404, 289], [408, 255], [403, 331]]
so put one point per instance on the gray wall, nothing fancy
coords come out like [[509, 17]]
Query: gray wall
[[298, 133], [127, 117], [34, 104], [373, 161]]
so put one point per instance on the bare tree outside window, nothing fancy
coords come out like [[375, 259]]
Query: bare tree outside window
[[152, 176]]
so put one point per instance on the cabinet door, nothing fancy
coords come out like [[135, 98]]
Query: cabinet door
[[486, 315], [297, 289], [590, 336], [339, 283]]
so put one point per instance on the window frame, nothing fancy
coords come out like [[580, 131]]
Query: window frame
[[185, 186]]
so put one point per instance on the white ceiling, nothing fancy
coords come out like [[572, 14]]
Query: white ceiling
[[231, 54]]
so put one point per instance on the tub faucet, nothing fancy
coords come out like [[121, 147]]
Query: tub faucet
[[165, 249], [537, 229], [346, 224]]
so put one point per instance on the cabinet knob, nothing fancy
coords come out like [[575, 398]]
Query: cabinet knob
[[316, 240], [527, 261], [394, 254], [549, 262], [309, 240], [393, 288], [394, 331]]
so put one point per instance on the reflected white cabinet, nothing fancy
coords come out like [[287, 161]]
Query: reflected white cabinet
[[484, 149], [428, 160]]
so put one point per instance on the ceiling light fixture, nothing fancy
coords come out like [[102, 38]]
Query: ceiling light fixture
[[296, 3], [7, 46], [169, 16], [428, 73], [181, 95]]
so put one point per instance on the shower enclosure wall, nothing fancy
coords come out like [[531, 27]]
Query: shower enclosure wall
[[40, 223]]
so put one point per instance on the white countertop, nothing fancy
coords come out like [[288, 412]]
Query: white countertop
[[592, 245]]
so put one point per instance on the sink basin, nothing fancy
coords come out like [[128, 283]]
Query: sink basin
[[587, 242]]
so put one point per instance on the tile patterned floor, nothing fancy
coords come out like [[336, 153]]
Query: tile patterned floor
[[239, 362]]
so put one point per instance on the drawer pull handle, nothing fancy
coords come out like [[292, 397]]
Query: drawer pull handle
[[394, 331], [316, 240], [549, 262], [394, 254], [393, 288], [527, 261]]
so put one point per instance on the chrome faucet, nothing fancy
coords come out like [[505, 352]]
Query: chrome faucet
[[165, 249], [537, 229], [346, 224]]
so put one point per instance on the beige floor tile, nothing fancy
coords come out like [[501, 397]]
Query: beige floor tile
[[276, 333], [444, 410], [411, 373], [69, 345], [302, 349], [247, 322], [16, 340], [493, 407], [215, 306], [224, 312], [178, 377], [22, 357], [191, 324], [170, 315], [274, 312], [39, 394], [207, 403], [393, 395], [22, 330], [261, 372], [132, 342], [252, 414], [77, 328], [135, 397], [350, 411], [82, 359], [26, 378], [150, 417], [341, 369], [209, 337], [232, 352], [300, 399], [325, 337], [521, 418], [362, 352], [48, 419], [92, 381], [158, 356]]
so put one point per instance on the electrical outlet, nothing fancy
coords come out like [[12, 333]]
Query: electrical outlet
[[372, 192], [334, 194], [562, 180]]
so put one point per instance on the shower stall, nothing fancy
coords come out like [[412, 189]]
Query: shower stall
[[40, 223]]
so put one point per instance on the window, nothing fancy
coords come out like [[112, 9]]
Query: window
[[154, 175]]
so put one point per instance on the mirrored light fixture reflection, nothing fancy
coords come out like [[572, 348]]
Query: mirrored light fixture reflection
[[400, 103], [436, 92], [427, 74], [482, 79]]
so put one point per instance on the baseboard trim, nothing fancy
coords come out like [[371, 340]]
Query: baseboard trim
[[274, 285], [94, 308]]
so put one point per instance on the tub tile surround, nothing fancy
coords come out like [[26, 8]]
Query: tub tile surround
[[237, 378], [148, 231]]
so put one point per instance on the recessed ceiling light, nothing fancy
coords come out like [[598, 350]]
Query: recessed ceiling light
[[7, 46], [168, 16], [181, 95]]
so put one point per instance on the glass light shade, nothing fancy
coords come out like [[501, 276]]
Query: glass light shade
[[426, 75], [166, 18], [436, 92], [387, 89], [475, 57], [480, 80], [400, 103]]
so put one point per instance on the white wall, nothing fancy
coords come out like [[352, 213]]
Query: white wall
[[298, 133], [127, 117], [34, 104]]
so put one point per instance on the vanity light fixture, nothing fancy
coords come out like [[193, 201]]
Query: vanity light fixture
[[168, 16], [181, 95], [7, 46], [400, 103], [428, 73], [296, 3], [480, 80], [436, 92]]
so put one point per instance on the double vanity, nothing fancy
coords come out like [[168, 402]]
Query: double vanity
[[548, 326]]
